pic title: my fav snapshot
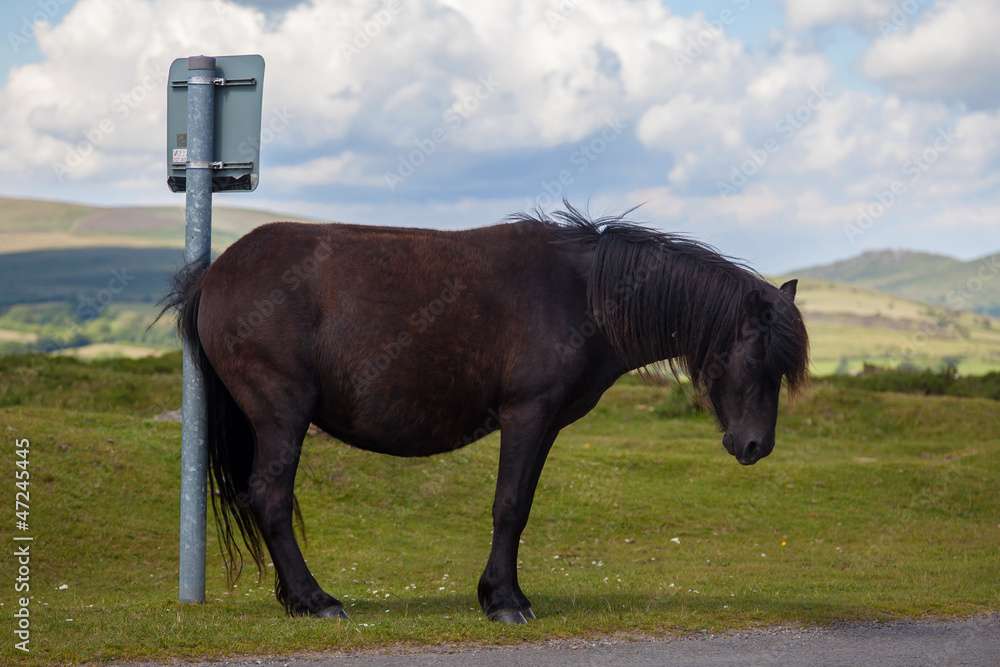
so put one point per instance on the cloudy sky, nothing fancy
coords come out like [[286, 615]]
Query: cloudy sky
[[786, 132]]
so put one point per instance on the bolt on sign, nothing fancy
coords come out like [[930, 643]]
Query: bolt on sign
[[239, 90]]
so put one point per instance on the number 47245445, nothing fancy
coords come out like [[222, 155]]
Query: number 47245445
[[23, 480]]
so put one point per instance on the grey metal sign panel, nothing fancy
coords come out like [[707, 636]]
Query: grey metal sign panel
[[239, 88]]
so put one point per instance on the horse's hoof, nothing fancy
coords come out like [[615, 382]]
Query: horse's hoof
[[336, 611], [508, 617], [529, 614]]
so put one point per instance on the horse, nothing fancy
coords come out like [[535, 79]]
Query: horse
[[415, 342]]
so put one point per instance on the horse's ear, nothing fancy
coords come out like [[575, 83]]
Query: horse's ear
[[788, 289]]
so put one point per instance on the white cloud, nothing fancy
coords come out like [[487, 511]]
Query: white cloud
[[354, 88], [812, 13], [347, 168], [950, 54], [392, 73], [764, 103]]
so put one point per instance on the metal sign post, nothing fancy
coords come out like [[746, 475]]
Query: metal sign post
[[210, 147]]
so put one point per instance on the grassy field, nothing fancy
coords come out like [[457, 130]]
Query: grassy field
[[873, 505]]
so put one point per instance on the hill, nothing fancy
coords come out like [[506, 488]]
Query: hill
[[920, 276], [850, 326], [29, 224], [88, 277]]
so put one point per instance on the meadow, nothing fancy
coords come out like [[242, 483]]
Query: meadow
[[874, 505]]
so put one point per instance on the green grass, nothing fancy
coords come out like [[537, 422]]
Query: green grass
[[59, 326], [921, 381], [873, 505]]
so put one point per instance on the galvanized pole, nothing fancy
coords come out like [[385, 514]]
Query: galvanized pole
[[197, 250]]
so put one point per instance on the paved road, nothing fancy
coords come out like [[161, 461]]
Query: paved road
[[972, 642]]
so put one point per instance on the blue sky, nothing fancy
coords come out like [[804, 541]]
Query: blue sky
[[786, 132]]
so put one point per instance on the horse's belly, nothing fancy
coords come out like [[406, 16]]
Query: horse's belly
[[412, 427]]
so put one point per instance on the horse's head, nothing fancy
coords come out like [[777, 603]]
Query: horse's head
[[771, 345]]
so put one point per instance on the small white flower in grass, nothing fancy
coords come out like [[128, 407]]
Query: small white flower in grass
[[63, 587], [763, 555], [440, 588], [675, 540]]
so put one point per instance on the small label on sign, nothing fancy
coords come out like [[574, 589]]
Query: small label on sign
[[180, 156]]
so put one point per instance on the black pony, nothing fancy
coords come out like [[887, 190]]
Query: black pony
[[414, 342]]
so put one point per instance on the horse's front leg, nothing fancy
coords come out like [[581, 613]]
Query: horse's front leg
[[526, 436]]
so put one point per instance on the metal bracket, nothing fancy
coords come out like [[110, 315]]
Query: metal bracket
[[217, 165], [216, 81]]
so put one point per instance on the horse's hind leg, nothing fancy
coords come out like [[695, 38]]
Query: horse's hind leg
[[280, 427]]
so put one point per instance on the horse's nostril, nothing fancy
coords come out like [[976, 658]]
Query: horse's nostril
[[751, 451]]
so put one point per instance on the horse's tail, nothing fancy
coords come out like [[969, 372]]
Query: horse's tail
[[230, 435]]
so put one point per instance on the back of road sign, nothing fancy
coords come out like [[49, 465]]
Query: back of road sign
[[239, 91]]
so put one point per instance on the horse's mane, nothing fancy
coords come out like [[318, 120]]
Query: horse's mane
[[663, 296]]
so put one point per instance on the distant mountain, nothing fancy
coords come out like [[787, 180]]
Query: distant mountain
[[931, 278], [31, 224], [88, 278]]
